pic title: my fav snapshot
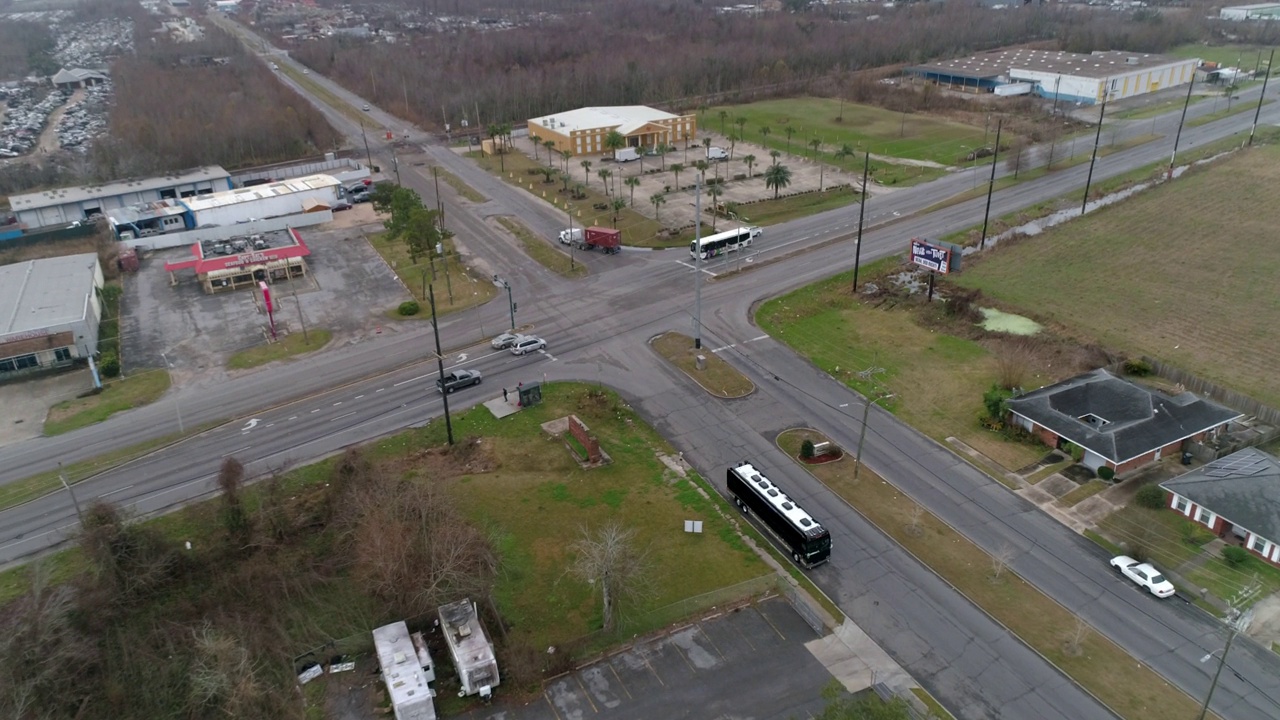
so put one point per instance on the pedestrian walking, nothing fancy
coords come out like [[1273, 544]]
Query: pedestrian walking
[[504, 395]]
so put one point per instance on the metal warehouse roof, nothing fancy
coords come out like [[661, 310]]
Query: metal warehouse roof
[[145, 211], [37, 294], [309, 183], [625, 118], [1099, 64], [60, 196]]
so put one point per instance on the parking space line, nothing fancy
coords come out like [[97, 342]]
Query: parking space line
[[710, 640], [655, 672], [682, 655], [770, 622], [585, 694], [551, 705], [619, 679]]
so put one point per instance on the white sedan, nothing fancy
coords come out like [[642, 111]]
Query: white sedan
[[1144, 575]]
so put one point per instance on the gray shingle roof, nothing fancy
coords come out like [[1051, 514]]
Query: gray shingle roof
[[1243, 487], [1116, 418]]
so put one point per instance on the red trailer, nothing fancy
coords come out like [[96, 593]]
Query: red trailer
[[607, 239]]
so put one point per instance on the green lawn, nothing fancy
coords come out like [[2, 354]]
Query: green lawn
[[915, 136], [719, 378], [773, 212], [292, 344], [1236, 107], [117, 395], [938, 379], [1161, 259], [1245, 57], [1131, 689]]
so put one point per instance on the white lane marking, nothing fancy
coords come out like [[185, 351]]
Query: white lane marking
[[406, 382], [353, 412], [359, 396], [313, 412], [38, 536], [251, 424], [295, 417], [337, 403], [379, 390], [113, 492], [726, 347], [269, 425], [233, 452], [754, 339]]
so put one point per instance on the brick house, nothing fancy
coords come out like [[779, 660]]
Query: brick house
[[1119, 424], [1237, 497]]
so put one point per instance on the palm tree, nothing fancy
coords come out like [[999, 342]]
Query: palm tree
[[724, 114], [494, 131], [566, 155], [633, 183], [662, 156], [750, 160], [550, 145], [658, 199], [733, 143], [789, 131], [775, 155], [764, 134], [676, 168], [741, 122], [715, 192], [504, 132], [614, 141], [845, 151], [618, 206], [706, 145], [536, 155], [816, 144], [548, 174], [702, 169], [604, 176], [586, 171], [777, 177]]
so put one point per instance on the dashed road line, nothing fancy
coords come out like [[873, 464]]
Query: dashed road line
[[353, 412]]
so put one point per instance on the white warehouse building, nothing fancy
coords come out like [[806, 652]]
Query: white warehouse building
[[49, 313], [1069, 77], [1260, 11], [286, 197], [60, 206]]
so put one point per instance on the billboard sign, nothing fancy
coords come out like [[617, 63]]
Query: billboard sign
[[931, 256]]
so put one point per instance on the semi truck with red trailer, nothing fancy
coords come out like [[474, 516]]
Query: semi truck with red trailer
[[606, 239]]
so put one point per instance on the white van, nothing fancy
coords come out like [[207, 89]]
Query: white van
[[626, 154], [570, 236], [717, 153]]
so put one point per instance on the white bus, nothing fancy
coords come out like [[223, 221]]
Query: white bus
[[724, 242]]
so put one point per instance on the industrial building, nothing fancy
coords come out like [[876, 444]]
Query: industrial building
[[1065, 76], [1259, 11], [407, 671], [583, 131], [63, 206], [245, 261], [49, 313]]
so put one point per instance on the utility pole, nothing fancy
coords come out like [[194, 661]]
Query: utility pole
[[367, 153], [1257, 112], [1097, 139], [395, 163], [862, 434], [511, 304], [991, 185], [62, 476], [176, 408], [697, 266], [435, 328], [1178, 136], [1222, 661], [569, 212], [301, 321], [862, 213]]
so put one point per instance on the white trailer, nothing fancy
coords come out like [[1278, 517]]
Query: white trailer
[[471, 650], [1013, 89], [403, 672]]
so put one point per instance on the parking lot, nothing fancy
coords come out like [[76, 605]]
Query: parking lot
[[748, 663], [349, 291]]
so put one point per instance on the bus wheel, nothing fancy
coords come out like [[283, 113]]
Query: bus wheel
[[741, 505], [796, 557]]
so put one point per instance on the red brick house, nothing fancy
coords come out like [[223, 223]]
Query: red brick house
[[1119, 424], [1237, 497]]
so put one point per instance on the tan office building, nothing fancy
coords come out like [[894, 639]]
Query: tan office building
[[583, 131]]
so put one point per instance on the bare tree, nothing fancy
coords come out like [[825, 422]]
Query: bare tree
[[609, 559], [1000, 560], [1074, 643], [914, 527], [224, 676]]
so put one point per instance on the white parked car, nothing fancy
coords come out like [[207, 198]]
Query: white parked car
[[504, 341], [528, 344], [1144, 575]]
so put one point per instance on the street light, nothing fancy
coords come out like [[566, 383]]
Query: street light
[[866, 411], [177, 408]]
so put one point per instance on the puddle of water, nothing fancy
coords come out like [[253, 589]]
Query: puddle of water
[[1000, 321]]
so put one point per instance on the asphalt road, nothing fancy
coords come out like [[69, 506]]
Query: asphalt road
[[597, 330]]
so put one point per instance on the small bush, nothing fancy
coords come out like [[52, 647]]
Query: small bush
[[806, 449], [1138, 368], [1193, 533], [994, 400], [409, 307], [1149, 496], [1235, 556], [1075, 451], [1106, 473], [110, 365]]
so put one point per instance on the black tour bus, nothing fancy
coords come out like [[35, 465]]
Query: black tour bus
[[808, 542]]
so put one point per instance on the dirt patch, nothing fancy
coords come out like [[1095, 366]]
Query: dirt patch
[[1078, 474], [1265, 626], [821, 459]]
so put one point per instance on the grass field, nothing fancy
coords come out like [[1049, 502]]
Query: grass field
[[865, 127], [844, 337], [1168, 274], [551, 258], [1245, 57], [455, 290], [1130, 688], [288, 346], [719, 378], [117, 395]]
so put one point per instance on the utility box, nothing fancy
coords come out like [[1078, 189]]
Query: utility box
[[471, 650]]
